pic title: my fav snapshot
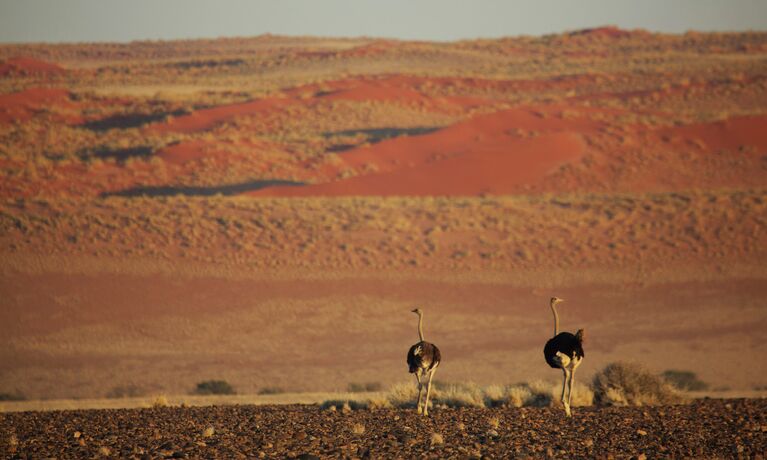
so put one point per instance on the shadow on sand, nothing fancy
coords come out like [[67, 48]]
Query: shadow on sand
[[232, 189], [131, 120], [376, 135]]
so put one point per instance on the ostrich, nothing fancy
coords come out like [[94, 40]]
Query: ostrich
[[564, 351], [423, 358]]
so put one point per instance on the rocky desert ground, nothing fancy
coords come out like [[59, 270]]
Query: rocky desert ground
[[704, 429]]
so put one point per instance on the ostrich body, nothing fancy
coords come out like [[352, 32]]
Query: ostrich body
[[564, 351], [423, 358]]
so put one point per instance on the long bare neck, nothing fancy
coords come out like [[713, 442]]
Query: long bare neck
[[556, 319], [420, 326]]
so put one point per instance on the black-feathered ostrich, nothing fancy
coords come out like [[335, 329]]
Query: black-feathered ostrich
[[423, 358], [564, 351]]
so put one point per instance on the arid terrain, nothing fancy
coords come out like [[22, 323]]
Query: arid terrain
[[705, 429], [268, 210]]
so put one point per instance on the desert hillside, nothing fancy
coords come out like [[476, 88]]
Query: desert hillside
[[268, 210]]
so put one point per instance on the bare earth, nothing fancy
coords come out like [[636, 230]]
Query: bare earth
[[703, 429], [268, 210]]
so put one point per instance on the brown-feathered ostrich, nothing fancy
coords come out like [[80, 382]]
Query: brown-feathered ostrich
[[423, 358], [564, 351]]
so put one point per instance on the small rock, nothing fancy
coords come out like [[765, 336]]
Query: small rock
[[77, 435], [641, 432], [588, 442], [641, 457]]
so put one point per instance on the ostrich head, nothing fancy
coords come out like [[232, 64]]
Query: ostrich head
[[417, 311], [556, 300]]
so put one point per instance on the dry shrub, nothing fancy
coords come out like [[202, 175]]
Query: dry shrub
[[630, 384], [160, 401], [458, 395], [214, 387], [538, 393], [403, 395], [684, 380]]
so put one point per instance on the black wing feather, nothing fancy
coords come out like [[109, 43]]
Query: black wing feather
[[565, 343]]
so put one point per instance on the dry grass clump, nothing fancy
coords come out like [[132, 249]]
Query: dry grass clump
[[630, 384], [403, 395], [160, 401], [436, 439], [538, 393], [458, 395]]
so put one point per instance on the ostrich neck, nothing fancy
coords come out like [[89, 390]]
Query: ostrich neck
[[420, 327], [556, 319]]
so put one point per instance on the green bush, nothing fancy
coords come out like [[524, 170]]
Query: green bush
[[214, 387]]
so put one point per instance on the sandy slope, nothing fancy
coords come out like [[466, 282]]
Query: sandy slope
[[266, 210]]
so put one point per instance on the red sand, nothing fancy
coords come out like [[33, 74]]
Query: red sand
[[394, 89], [22, 66], [21, 106], [482, 155], [730, 134]]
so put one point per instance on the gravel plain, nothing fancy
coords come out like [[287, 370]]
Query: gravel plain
[[734, 428]]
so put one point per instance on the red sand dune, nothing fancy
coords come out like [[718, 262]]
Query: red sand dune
[[395, 89], [204, 119], [483, 155], [184, 152], [729, 134], [21, 66], [198, 149], [21, 106]]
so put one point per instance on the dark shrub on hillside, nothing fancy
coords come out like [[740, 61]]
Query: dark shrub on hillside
[[685, 380], [214, 387]]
